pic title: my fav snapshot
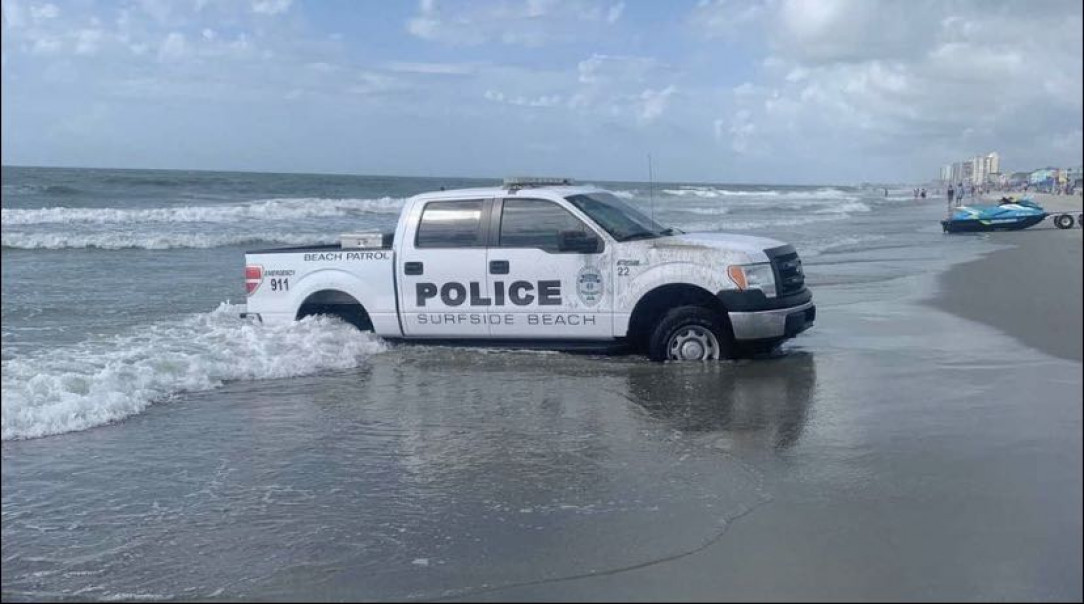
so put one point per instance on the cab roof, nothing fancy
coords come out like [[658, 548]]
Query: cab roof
[[525, 191]]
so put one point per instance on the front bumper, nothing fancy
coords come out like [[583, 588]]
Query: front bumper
[[777, 323]]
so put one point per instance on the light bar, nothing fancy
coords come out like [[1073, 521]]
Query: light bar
[[519, 182]]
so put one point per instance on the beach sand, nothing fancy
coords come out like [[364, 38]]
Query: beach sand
[[1031, 291], [1051, 203]]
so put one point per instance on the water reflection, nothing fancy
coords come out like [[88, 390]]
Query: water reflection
[[767, 396]]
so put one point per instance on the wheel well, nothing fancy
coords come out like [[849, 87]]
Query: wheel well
[[337, 304], [654, 304]]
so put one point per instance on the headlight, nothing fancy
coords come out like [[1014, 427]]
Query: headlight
[[753, 276]]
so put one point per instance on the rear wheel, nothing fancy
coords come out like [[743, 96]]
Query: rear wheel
[[1063, 221], [689, 333]]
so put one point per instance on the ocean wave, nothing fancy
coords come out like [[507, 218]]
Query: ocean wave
[[712, 211], [264, 209], [95, 383], [714, 193], [151, 241], [844, 207], [752, 225], [34, 189], [822, 246]]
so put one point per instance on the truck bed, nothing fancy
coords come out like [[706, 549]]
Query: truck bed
[[388, 239]]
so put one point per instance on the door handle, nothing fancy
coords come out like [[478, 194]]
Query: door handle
[[413, 268], [498, 267]]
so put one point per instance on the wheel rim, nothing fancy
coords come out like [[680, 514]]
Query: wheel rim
[[693, 343]]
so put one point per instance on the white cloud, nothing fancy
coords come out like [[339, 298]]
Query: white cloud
[[270, 7], [173, 47], [432, 68], [88, 40], [40, 12], [601, 69], [496, 96], [532, 23], [922, 81], [725, 18], [653, 104], [615, 12]]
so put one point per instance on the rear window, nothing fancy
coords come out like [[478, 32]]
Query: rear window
[[451, 224]]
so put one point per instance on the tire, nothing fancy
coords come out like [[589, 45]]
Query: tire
[[1063, 221], [689, 330], [1080, 220]]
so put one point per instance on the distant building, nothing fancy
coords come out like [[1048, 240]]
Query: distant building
[[979, 170], [1019, 178], [1074, 176], [1043, 177]]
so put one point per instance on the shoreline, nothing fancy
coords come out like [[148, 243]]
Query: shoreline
[[1030, 291]]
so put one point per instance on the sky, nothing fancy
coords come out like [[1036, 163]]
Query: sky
[[755, 91]]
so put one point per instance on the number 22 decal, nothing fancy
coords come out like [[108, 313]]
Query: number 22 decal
[[622, 271]]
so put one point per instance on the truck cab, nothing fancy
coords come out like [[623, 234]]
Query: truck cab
[[548, 263]]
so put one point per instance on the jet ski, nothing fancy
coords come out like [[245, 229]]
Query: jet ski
[[1008, 215]]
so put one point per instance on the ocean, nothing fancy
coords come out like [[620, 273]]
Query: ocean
[[122, 287], [156, 446]]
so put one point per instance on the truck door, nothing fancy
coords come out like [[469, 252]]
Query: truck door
[[540, 291], [441, 270]]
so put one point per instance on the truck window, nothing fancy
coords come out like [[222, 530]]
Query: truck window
[[451, 224], [534, 223]]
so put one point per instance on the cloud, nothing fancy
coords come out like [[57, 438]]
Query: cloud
[[529, 23], [270, 7], [432, 68], [173, 47], [496, 96], [921, 82], [724, 18], [43, 11]]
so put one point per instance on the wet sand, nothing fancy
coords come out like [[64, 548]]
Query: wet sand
[[1031, 291], [1051, 203]]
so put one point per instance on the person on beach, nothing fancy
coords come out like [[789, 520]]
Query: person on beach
[[951, 194], [922, 193]]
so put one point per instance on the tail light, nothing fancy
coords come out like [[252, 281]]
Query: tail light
[[253, 278]]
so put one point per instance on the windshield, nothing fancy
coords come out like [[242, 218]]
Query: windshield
[[620, 219]]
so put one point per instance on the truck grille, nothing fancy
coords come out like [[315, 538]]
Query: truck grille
[[789, 276]]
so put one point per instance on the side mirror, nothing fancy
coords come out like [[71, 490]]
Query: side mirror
[[577, 241]]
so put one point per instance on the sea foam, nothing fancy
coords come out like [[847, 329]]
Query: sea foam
[[98, 382], [153, 241], [713, 193], [264, 209]]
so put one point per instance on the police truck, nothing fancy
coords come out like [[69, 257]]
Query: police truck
[[547, 263]]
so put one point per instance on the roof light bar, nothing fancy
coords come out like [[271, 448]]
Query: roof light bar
[[521, 182]]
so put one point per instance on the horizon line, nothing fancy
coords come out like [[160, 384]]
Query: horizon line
[[358, 174]]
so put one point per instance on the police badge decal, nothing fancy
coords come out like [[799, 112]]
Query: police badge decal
[[589, 285]]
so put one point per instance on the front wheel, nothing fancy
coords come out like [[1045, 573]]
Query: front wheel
[[689, 333]]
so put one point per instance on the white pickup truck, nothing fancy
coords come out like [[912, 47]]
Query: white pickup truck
[[536, 262]]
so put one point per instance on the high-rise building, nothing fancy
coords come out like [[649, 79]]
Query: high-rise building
[[979, 170], [993, 163]]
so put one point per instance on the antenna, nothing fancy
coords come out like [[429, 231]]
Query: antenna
[[651, 186]]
